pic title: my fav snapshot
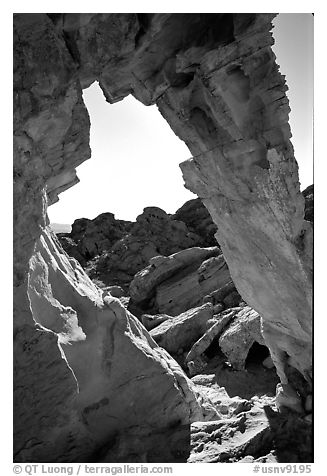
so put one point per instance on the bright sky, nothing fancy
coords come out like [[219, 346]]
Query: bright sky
[[135, 155]]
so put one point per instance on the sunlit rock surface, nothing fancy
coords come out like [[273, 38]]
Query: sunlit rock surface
[[93, 337], [238, 338], [182, 331], [215, 80], [172, 284]]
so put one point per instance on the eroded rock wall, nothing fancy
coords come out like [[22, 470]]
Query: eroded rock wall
[[116, 377], [215, 80], [65, 336]]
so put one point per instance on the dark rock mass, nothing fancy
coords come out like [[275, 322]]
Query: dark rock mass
[[154, 233], [308, 210], [197, 218], [89, 238]]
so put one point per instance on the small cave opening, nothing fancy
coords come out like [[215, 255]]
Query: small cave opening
[[213, 350], [256, 355]]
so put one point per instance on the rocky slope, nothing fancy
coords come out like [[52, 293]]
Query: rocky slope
[[121, 248], [113, 251], [215, 80], [89, 238]]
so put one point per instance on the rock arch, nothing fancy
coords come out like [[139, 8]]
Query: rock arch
[[215, 80]]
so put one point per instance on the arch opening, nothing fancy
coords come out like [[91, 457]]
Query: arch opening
[[134, 163]]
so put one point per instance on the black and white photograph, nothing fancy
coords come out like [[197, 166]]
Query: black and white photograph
[[162, 239]]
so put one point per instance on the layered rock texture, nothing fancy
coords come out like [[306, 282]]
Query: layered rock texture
[[121, 248], [90, 383], [175, 283], [154, 233]]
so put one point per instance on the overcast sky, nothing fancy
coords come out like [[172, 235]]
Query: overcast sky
[[135, 155]]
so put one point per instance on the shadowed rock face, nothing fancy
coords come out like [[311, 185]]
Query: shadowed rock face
[[154, 233], [308, 195], [215, 80], [198, 219], [123, 248], [89, 238]]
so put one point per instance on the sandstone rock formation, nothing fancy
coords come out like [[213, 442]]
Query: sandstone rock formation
[[89, 238], [151, 321], [251, 427], [122, 248], [173, 284], [308, 196], [154, 233], [215, 80], [179, 334], [240, 335], [197, 218], [105, 398], [211, 442], [216, 327]]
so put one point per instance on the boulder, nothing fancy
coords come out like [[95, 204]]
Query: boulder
[[268, 363], [145, 282], [221, 321], [173, 284], [187, 289], [179, 333], [236, 341], [154, 233]]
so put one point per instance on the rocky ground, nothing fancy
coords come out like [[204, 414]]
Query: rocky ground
[[113, 251], [169, 272]]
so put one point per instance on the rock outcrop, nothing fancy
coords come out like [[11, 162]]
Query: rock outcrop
[[211, 442], [154, 233], [194, 358], [215, 80], [121, 248], [308, 197], [250, 430], [179, 334], [105, 397], [171, 285], [239, 337], [197, 218], [89, 238]]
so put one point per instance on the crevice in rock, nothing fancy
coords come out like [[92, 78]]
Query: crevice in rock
[[256, 355]]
